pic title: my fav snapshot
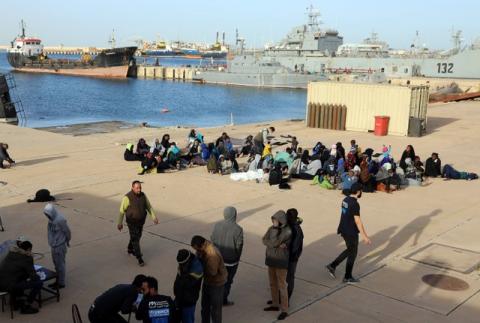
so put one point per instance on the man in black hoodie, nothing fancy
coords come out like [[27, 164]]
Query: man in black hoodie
[[227, 237], [120, 298], [296, 247]]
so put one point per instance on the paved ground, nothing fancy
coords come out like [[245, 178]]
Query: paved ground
[[407, 228]]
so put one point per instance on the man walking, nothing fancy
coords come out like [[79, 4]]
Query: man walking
[[215, 277], [349, 228], [135, 206], [227, 237], [58, 239]]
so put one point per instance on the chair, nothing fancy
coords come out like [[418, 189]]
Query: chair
[[3, 297]]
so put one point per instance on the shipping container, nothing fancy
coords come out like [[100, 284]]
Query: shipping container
[[365, 101]]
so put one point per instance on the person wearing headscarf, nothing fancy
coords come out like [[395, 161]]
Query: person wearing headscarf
[[409, 152]]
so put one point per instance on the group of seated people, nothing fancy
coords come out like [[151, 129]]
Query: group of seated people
[[330, 167]]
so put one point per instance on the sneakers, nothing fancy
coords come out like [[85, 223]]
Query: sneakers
[[282, 316], [228, 303], [331, 271], [351, 280], [271, 309], [141, 263], [28, 309]]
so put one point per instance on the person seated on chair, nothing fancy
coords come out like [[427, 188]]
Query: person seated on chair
[[4, 156], [155, 307], [120, 298], [17, 274]]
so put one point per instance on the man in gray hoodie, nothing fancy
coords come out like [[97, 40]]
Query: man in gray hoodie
[[59, 239], [227, 237]]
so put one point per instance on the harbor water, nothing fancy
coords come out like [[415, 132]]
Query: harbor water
[[54, 100]]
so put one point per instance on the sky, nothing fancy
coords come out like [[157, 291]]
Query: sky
[[90, 22]]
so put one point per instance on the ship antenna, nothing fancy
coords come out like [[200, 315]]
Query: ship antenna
[[112, 40], [23, 28]]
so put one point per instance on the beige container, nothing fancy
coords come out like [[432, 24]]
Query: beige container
[[365, 101]]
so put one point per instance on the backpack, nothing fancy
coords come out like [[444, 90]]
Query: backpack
[[212, 166], [275, 177]]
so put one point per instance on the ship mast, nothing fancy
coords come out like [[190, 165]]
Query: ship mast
[[112, 41], [313, 15], [22, 25]]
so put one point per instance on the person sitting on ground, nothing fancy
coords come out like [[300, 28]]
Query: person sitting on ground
[[223, 137], [388, 178], [294, 144], [142, 148], [187, 284], [366, 178], [228, 145], [224, 165], [247, 146], [149, 163], [318, 149], [192, 136], [409, 152], [451, 173], [267, 156], [308, 172], [173, 155], [261, 139], [253, 163], [351, 160], [120, 298], [284, 157], [277, 240], [194, 156], [348, 179], [215, 277], [354, 147], [212, 165], [433, 166], [17, 274], [227, 237], [386, 156], [156, 148], [165, 143], [155, 308], [4, 156], [205, 152], [340, 150], [130, 155], [232, 156], [419, 167], [222, 150]]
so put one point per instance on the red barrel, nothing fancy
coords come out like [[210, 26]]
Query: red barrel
[[381, 125]]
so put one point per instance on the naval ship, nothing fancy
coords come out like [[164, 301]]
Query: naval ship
[[316, 50], [26, 54]]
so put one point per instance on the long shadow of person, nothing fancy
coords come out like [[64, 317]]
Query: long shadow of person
[[413, 229]]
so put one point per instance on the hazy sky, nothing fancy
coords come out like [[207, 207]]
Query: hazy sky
[[90, 22]]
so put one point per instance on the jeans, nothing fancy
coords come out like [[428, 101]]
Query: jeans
[[350, 254], [135, 231], [34, 286], [188, 314], [292, 268], [278, 287], [212, 302], [231, 270], [58, 257]]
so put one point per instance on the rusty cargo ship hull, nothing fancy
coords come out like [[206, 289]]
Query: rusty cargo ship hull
[[110, 63]]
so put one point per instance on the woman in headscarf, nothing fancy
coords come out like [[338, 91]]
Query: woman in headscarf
[[142, 148], [409, 152]]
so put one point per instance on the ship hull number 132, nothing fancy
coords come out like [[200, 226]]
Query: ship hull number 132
[[445, 68]]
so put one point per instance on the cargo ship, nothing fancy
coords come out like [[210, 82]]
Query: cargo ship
[[26, 54]]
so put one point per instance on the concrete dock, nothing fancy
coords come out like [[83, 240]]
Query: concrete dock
[[415, 232]]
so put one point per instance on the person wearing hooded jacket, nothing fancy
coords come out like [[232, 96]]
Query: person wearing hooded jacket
[[227, 237], [59, 236], [277, 240], [296, 247]]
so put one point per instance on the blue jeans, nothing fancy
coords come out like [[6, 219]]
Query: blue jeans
[[188, 314]]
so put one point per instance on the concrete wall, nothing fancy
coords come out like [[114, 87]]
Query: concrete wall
[[169, 73]]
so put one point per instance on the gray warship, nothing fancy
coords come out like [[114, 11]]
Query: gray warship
[[311, 53], [256, 70], [317, 50]]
